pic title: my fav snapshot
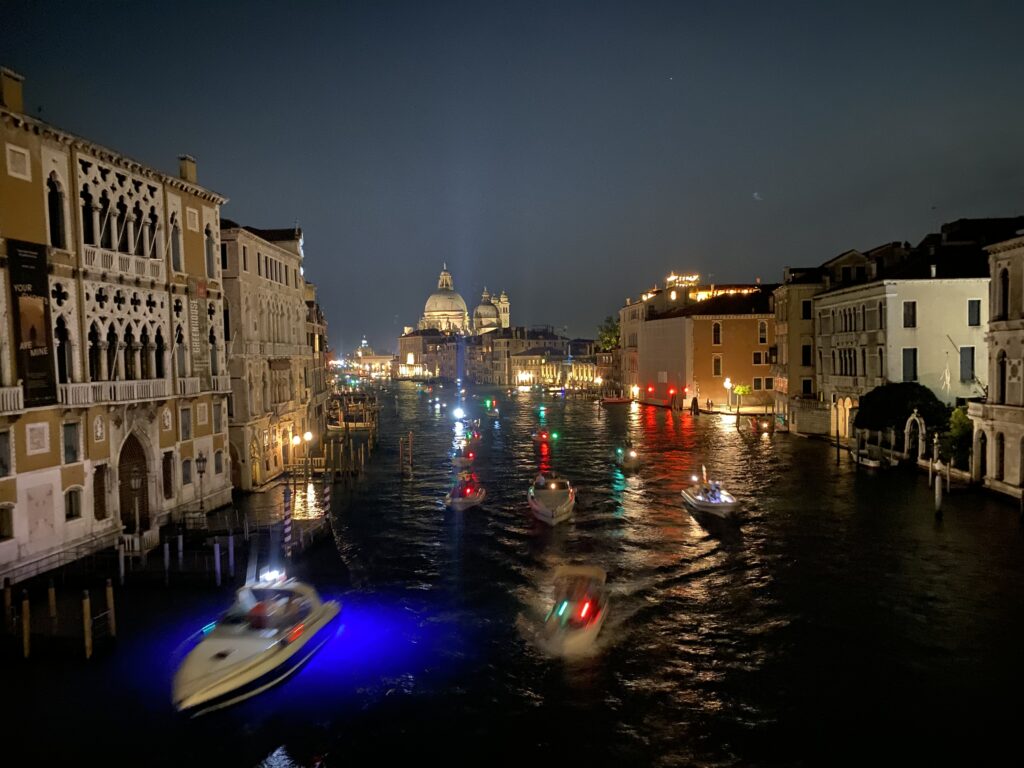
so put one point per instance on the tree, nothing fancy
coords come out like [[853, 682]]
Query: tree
[[608, 334], [890, 405], [957, 442], [740, 390]]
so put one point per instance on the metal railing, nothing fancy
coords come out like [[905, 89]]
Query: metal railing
[[48, 562]]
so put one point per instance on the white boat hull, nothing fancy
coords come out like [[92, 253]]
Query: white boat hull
[[462, 503], [552, 507], [255, 671], [722, 508]]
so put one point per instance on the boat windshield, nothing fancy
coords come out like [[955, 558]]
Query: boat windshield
[[268, 608]]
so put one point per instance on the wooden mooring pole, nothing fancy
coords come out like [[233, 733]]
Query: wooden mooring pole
[[87, 623], [26, 624], [111, 620], [8, 605]]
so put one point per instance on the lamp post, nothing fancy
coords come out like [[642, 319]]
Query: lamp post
[[307, 436], [728, 392], [135, 481], [201, 469]]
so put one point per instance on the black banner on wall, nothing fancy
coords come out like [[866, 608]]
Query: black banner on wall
[[30, 314]]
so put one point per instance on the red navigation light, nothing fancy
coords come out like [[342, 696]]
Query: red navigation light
[[296, 632], [650, 388], [468, 491], [672, 391], [471, 454], [585, 610]]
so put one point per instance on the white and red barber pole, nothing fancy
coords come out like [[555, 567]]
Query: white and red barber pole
[[327, 492], [287, 521]]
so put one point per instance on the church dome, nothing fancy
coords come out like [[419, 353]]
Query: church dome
[[445, 300], [486, 314], [445, 309]]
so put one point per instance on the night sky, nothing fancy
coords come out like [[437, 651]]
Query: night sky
[[571, 154]]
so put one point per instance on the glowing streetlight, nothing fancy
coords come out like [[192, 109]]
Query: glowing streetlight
[[728, 391]]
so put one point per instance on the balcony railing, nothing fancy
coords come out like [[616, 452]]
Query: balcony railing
[[129, 391], [12, 399], [221, 383], [189, 386], [75, 394], [124, 264]]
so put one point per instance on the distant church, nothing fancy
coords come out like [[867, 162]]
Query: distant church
[[445, 310]]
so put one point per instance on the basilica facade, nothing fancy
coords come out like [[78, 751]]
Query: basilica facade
[[446, 310]]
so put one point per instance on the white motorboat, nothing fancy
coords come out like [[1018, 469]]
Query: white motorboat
[[273, 627], [462, 458], [578, 611], [612, 400], [627, 458], [711, 498], [465, 495], [552, 499]]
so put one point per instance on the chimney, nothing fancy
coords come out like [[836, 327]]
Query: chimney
[[12, 95], [187, 168]]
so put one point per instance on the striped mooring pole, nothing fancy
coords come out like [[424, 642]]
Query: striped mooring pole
[[287, 521], [327, 492]]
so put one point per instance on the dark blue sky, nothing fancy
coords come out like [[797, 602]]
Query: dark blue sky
[[570, 153]]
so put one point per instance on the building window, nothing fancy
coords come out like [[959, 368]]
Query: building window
[[5, 454], [186, 423], [769, 382], [805, 354], [168, 473], [716, 333], [245, 258], [1003, 296], [881, 316], [55, 209], [805, 309], [227, 323], [966, 363], [175, 244], [806, 386], [99, 492], [762, 332], [73, 504], [6, 523], [259, 264], [211, 253], [223, 256], [881, 362], [218, 419], [757, 358], [716, 365], [71, 443], [202, 414], [757, 383], [186, 472], [974, 312], [218, 462], [192, 219], [910, 363], [910, 314]]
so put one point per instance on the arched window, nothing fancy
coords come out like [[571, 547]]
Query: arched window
[[211, 253], [214, 365], [146, 347], [55, 208], [1001, 377], [716, 333], [179, 353], [94, 353], [63, 351], [138, 246], [151, 221], [112, 344], [1000, 444], [106, 238], [160, 351], [175, 244], [130, 374], [762, 332], [881, 362], [88, 230], [1004, 294], [122, 226]]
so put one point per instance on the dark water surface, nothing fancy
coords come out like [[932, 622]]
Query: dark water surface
[[836, 622]]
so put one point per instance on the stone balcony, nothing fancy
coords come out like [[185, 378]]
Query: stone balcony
[[12, 400], [76, 394], [221, 383], [129, 391], [189, 386], [124, 264]]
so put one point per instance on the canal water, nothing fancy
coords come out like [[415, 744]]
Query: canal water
[[836, 621]]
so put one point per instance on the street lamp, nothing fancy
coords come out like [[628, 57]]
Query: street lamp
[[728, 391], [201, 469], [135, 481]]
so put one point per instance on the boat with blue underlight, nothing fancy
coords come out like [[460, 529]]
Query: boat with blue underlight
[[274, 626]]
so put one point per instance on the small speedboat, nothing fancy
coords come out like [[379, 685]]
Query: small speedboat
[[543, 436], [273, 627], [616, 400], [465, 495], [552, 499], [627, 458], [461, 460], [578, 611], [711, 498]]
